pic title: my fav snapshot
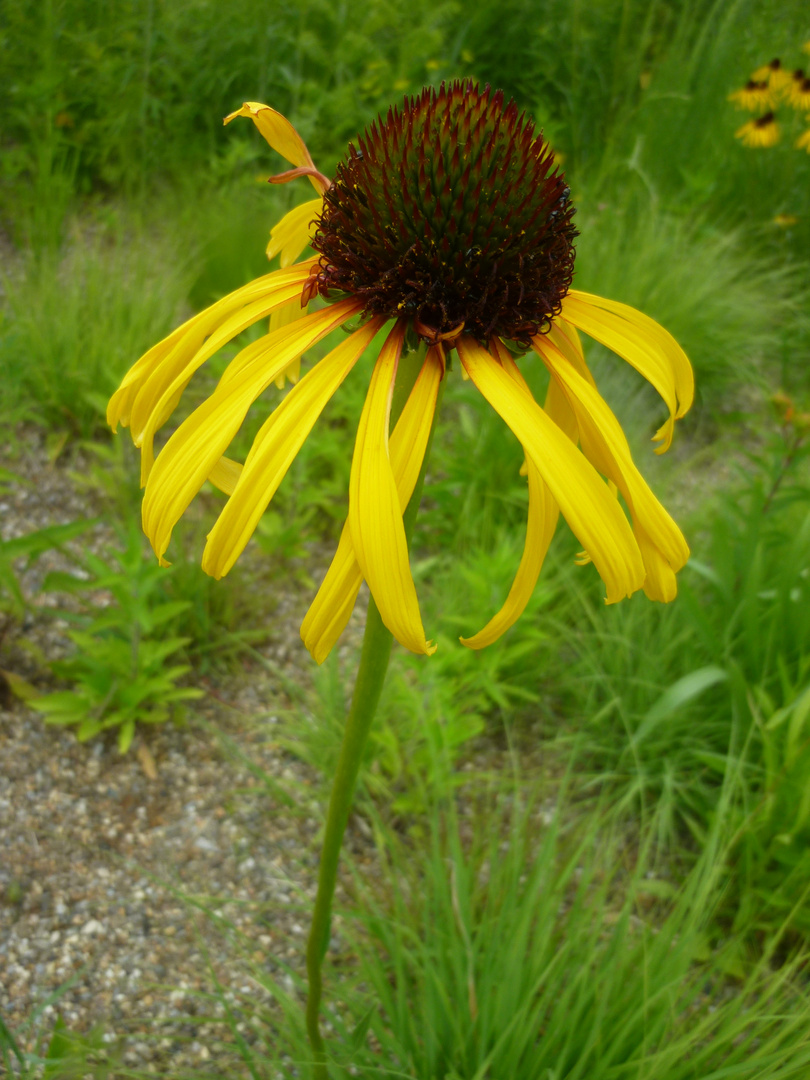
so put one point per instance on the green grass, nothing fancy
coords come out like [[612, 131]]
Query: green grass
[[519, 936], [70, 326]]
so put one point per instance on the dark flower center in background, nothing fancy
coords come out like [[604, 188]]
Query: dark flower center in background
[[450, 212]]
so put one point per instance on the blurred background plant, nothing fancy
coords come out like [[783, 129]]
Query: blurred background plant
[[125, 207]]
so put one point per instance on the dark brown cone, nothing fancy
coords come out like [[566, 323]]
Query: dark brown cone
[[450, 213]]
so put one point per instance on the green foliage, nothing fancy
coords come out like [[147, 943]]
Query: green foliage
[[670, 696], [71, 327], [112, 97], [120, 669], [517, 938], [30, 547]]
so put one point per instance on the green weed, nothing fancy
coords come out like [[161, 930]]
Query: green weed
[[120, 672]]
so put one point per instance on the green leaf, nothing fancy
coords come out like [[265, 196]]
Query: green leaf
[[18, 686], [125, 736], [34, 544], [63, 707], [795, 733], [358, 1035], [676, 696]]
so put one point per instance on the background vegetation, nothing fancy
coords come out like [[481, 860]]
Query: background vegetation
[[683, 733]]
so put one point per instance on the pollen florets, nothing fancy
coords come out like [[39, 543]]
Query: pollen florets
[[450, 212]]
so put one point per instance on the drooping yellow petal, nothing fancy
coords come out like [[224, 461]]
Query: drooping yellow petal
[[585, 501], [157, 392], [604, 443], [660, 583], [669, 347], [333, 604], [295, 230], [277, 444], [567, 339], [375, 517], [644, 344], [542, 521], [186, 339], [281, 135], [190, 455]]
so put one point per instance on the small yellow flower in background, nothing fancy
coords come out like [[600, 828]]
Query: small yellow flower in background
[[761, 132], [447, 226], [798, 92], [806, 47], [784, 221], [803, 141], [774, 74], [753, 97]]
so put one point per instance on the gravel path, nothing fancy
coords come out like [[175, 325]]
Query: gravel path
[[97, 848]]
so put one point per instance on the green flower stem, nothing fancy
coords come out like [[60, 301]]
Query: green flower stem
[[377, 641]]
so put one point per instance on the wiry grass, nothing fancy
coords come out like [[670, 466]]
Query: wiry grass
[[518, 938]]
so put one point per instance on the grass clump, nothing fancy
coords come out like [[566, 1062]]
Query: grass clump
[[516, 937]]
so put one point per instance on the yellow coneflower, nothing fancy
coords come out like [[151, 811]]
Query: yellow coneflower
[[761, 132], [774, 74], [447, 228], [753, 97], [803, 141], [798, 93]]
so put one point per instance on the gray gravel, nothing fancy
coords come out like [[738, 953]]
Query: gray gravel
[[96, 855]]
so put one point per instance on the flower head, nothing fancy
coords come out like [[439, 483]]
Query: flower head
[[774, 74], [803, 141], [449, 225], [451, 214], [798, 92], [761, 132], [753, 97]]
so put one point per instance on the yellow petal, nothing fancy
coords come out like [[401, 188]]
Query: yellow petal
[[593, 514], [567, 339], [542, 521], [604, 443], [375, 517], [158, 366], [281, 135], [283, 316], [225, 475], [660, 583], [644, 344], [120, 404], [276, 445], [670, 349], [294, 232], [333, 604], [189, 457]]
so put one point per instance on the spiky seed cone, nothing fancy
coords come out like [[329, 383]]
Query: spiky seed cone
[[450, 212]]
